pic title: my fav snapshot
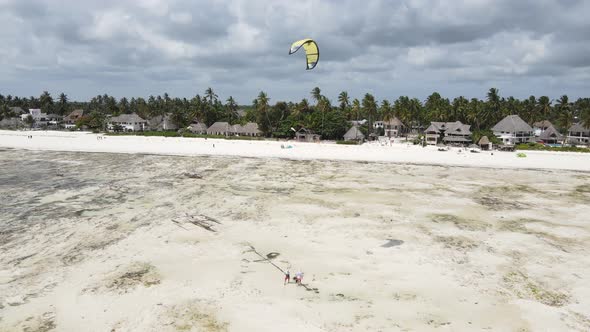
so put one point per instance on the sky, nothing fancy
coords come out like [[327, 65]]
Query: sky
[[137, 48]]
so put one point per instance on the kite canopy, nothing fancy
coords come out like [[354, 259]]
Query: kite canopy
[[312, 52]]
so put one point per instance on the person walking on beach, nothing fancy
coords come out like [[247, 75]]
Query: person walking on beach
[[287, 277]]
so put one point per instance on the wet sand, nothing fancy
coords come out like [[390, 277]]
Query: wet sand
[[115, 242]]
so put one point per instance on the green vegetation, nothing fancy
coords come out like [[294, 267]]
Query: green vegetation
[[347, 142], [542, 147], [319, 115]]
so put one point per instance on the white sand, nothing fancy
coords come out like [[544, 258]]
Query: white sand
[[399, 153], [492, 250]]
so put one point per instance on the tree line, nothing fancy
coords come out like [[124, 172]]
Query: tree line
[[320, 114]]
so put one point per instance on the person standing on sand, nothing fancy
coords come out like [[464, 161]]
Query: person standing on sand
[[287, 277]]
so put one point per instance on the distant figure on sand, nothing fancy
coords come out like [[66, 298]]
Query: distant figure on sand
[[287, 277], [298, 277]]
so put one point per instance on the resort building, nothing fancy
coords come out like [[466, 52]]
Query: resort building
[[513, 130], [198, 128], [448, 133], [550, 135], [306, 135], [127, 122], [219, 128], [578, 134], [249, 129], [162, 123], [540, 126], [394, 127], [71, 119], [354, 134]]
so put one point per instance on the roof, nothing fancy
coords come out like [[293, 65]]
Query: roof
[[305, 131], [131, 118], [394, 122], [198, 127], [511, 124], [450, 128], [248, 128], [75, 115], [219, 127], [17, 110], [542, 124], [578, 128], [484, 140], [354, 133], [550, 133]]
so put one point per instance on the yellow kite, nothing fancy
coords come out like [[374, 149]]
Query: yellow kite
[[312, 52]]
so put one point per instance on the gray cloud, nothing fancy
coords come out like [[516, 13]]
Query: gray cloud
[[240, 47]]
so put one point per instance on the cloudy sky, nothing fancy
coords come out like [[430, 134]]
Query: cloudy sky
[[239, 47]]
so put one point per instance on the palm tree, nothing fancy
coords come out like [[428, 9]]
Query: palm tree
[[386, 110], [63, 103], [564, 113], [356, 109], [232, 110], [46, 102], [209, 94], [262, 109], [544, 107], [344, 100], [494, 106], [316, 94], [370, 108], [460, 108]]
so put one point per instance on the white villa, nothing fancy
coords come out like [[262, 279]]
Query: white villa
[[578, 134], [513, 130], [127, 122]]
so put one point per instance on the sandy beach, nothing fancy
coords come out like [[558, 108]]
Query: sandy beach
[[141, 241], [397, 153]]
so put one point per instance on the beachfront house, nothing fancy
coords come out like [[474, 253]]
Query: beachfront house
[[162, 123], [249, 129], [354, 135], [42, 119], [550, 135], [448, 133], [219, 128], [71, 119], [198, 128], [578, 134], [513, 130], [394, 127], [306, 135], [127, 122], [53, 120], [540, 126]]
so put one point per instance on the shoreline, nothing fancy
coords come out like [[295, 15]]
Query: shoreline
[[398, 153]]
